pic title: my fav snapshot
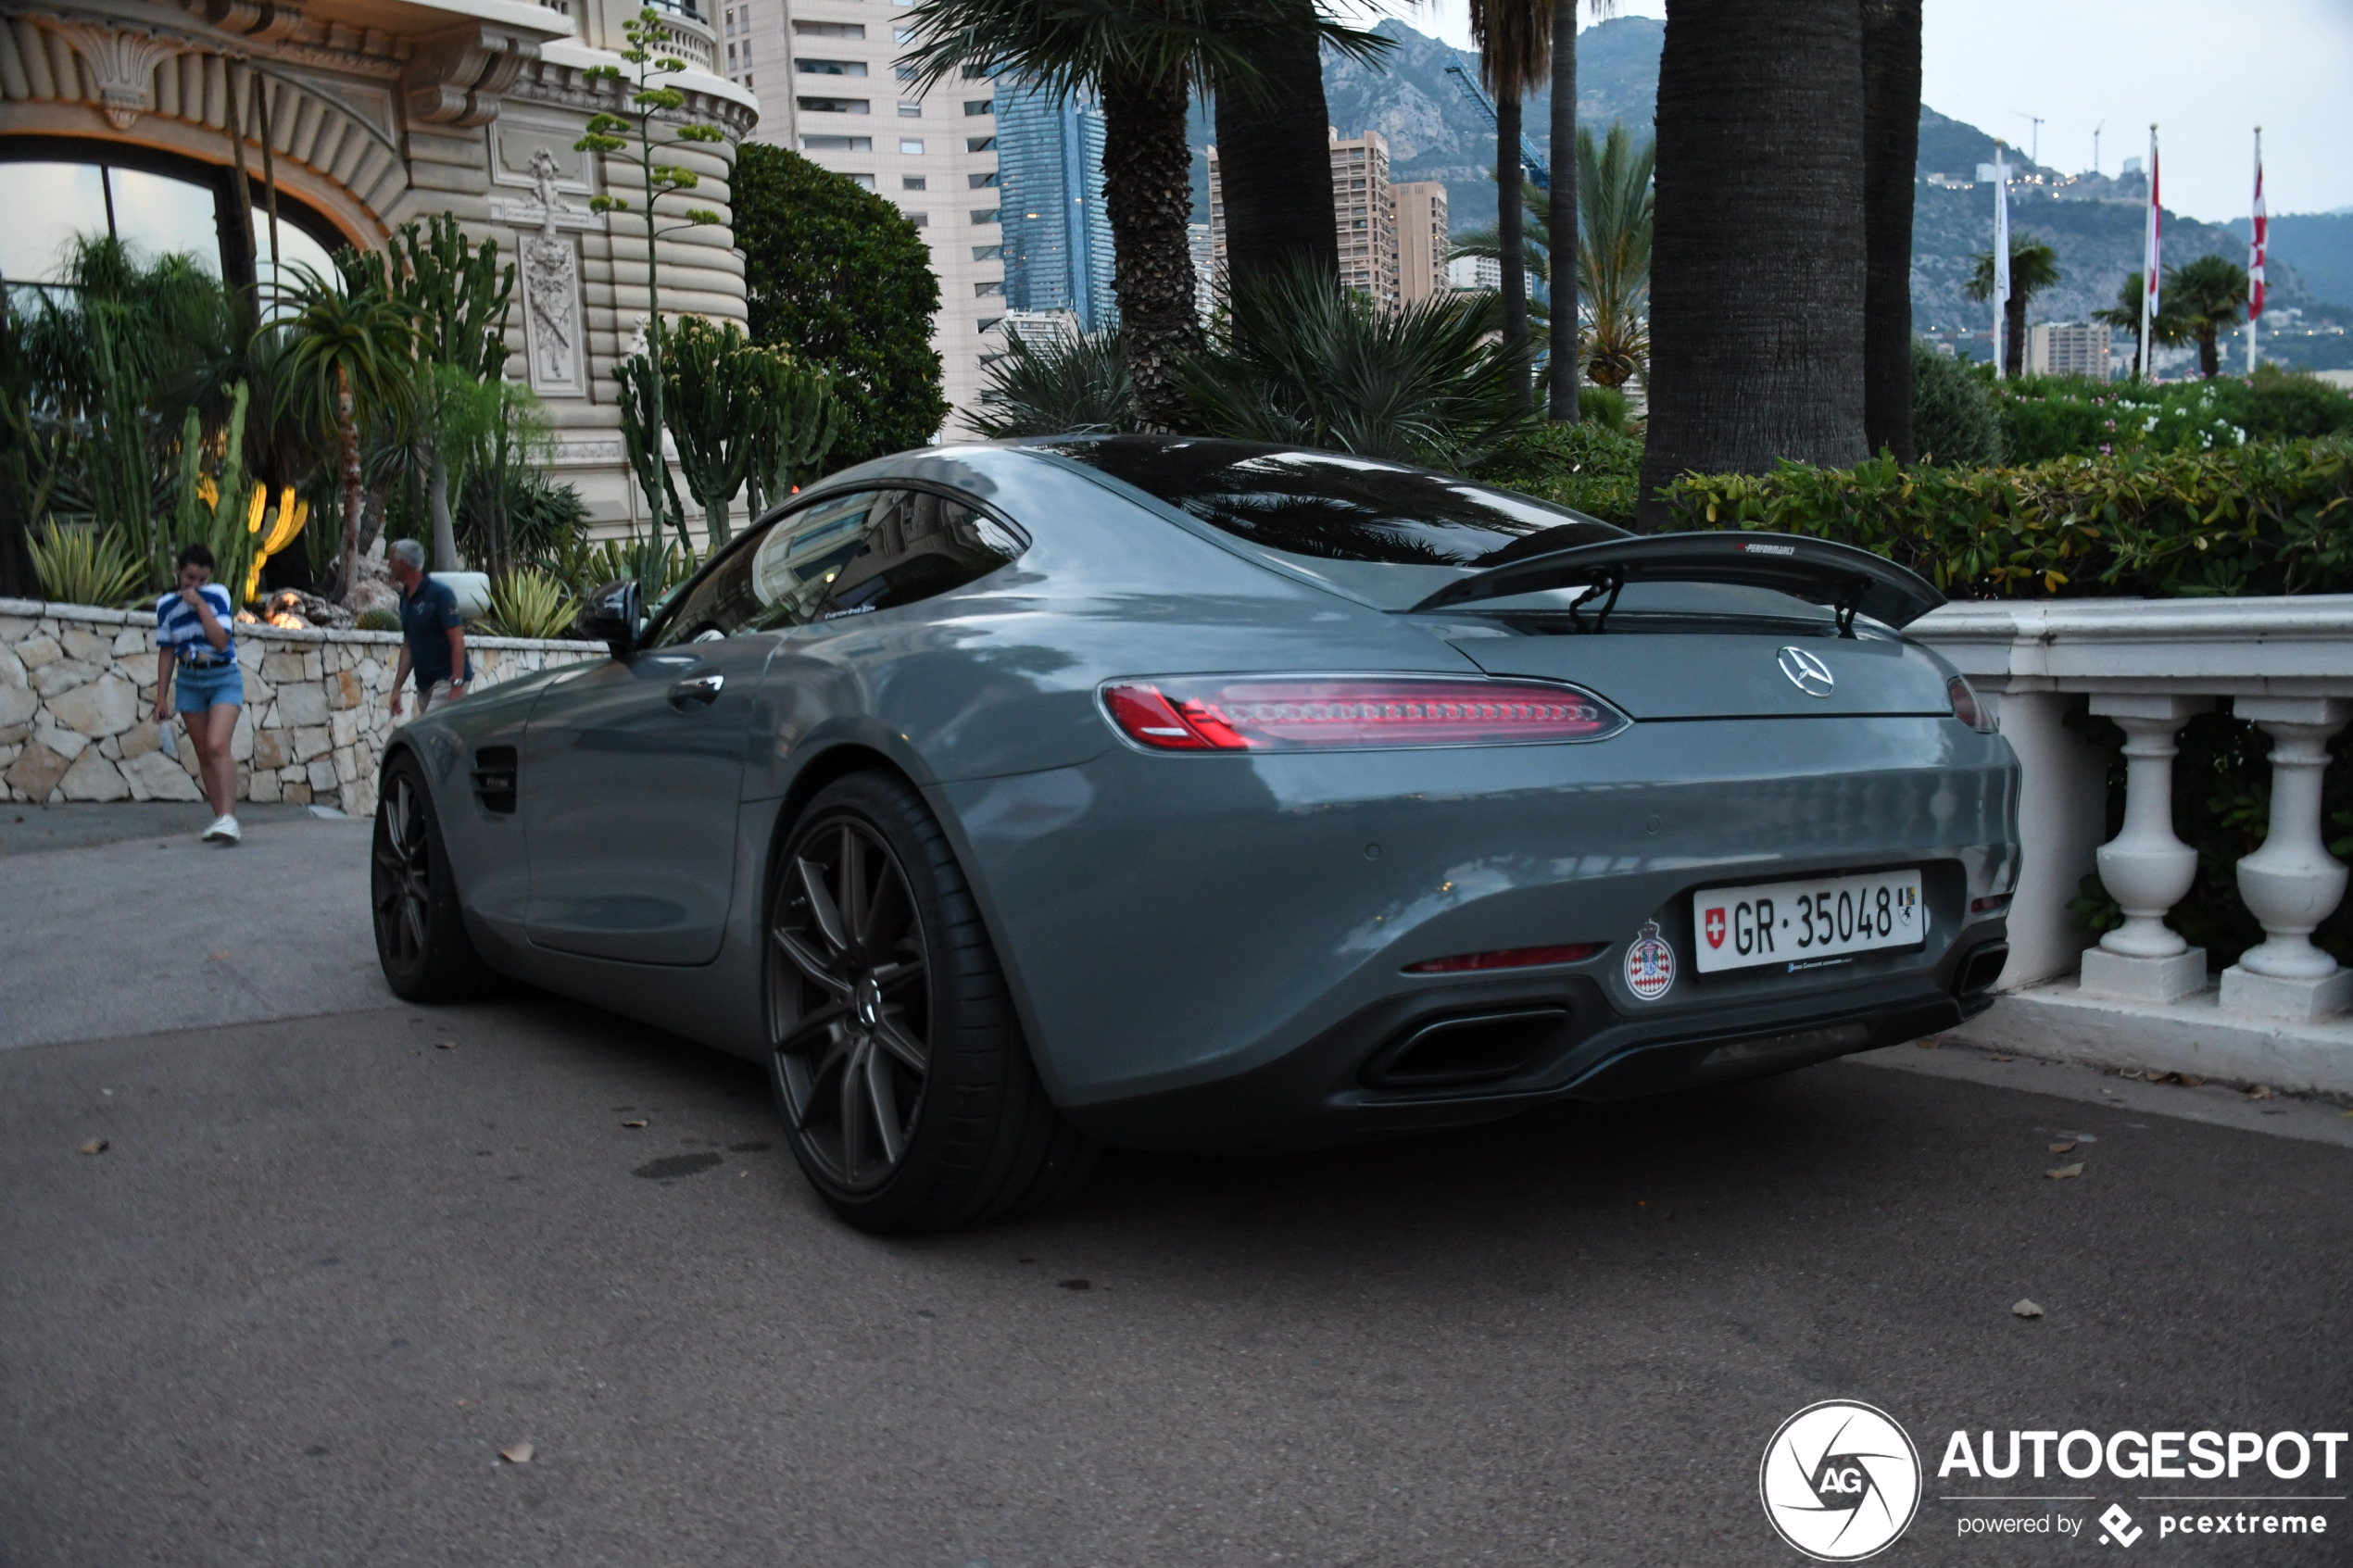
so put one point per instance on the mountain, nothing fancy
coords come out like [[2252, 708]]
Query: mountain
[[1435, 132]]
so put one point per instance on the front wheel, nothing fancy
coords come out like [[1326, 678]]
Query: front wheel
[[907, 1090], [420, 932]]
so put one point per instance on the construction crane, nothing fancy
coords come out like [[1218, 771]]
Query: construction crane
[[1538, 169]]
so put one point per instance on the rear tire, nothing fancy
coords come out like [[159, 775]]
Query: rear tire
[[420, 931], [907, 1091]]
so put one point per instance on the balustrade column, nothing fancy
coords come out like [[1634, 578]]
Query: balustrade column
[[2146, 868], [2292, 884]]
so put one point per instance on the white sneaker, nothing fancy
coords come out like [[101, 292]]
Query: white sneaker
[[223, 830]]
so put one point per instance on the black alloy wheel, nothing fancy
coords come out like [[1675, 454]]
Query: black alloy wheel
[[420, 932], [907, 1090], [851, 1043]]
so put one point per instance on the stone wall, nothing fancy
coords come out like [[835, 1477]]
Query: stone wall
[[78, 692]]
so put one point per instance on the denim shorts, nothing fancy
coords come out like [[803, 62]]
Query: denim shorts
[[201, 686]]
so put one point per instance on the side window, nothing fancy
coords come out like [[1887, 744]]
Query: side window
[[917, 545], [846, 555]]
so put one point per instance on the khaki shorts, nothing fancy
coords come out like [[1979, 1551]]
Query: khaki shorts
[[428, 695]]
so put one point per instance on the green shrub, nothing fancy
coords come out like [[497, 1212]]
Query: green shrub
[[2267, 518], [530, 602], [2049, 417], [1587, 465], [86, 566], [1953, 417], [2286, 405], [1603, 405], [378, 620], [1058, 385]]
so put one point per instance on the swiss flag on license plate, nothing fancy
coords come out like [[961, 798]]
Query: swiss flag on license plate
[[1715, 923]]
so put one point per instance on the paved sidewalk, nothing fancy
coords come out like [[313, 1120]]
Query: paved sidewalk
[[134, 926]]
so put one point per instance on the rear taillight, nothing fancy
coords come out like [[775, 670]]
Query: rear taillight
[[1294, 713], [1966, 707]]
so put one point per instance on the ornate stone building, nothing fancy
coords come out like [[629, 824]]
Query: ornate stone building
[[142, 117]]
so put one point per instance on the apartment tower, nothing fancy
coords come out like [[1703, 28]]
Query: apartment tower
[[1423, 240], [831, 87]]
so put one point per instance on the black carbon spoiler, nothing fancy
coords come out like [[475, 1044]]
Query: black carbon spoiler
[[1816, 571]]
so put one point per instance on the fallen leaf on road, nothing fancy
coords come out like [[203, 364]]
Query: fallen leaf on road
[[2129, 1073], [2188, 1080], [2261, 1091], [639, 1122], [1077, 1284], [1990, 1057], [227, 955], [95, 1146], [2063, 1147], [2063, 1172], [2025, 1309], [517, 1453], [445, 1045], [1927, 1045]]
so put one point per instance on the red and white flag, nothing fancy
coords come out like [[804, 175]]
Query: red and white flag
[[2149, 266], [2262, 236]]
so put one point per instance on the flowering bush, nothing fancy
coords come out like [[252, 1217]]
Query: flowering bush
[[2047, 416]]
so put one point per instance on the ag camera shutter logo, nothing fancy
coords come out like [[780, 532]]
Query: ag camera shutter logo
[[1839, 1481]]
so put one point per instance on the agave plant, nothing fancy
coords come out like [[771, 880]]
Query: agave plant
[[1066, 384], [529, 603], [1308, 365], [86, 566]]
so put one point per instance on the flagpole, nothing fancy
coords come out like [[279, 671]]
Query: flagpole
[[2258, 234], [2149, 268]]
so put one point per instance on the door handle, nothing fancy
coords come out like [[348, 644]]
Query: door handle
[[696, 691]]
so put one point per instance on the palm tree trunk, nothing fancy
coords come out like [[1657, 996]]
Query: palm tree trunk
[[1511, 230], [1147, 190], [1891, 151], [1757, 291], [2210, 363], [2014, 335], [348, 437], [1274, 156], [1561, 395]]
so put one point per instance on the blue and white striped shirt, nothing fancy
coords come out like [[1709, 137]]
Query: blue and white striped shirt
[[180, 628]]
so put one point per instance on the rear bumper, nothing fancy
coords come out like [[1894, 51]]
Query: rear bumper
[[1355, 1080]]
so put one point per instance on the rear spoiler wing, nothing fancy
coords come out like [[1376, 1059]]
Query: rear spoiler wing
[[1816, 571]]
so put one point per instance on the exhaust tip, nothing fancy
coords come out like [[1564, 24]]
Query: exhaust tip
[[1466, 1049]]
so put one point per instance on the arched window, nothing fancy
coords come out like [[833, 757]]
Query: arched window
[[55, 191]]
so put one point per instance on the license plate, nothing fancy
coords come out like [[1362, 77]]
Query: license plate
[[1799, 925]]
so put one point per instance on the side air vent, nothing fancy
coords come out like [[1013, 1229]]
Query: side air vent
[[495, 779], [1457, 1052]]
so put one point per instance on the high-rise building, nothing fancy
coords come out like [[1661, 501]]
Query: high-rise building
[[1050, 173], [2068, 351], [1423, 240], [1363, 215], [1475, 273], [1365, 212], [831, 87], [1197, 243]]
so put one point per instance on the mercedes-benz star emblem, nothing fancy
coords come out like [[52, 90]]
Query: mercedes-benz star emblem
[[1807, 673]]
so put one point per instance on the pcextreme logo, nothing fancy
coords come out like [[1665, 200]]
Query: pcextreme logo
[[1839, 1481]]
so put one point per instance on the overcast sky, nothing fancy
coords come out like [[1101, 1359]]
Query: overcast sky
[[2207, 73]]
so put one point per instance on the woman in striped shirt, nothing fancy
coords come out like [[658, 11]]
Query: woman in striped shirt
[[193, 644]]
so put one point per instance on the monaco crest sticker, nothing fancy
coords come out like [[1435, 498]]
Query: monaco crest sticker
[[1650, 964]]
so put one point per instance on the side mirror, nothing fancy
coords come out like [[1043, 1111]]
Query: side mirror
[[611, 615]]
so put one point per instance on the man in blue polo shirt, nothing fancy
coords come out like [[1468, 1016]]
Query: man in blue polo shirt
[[432, 633]]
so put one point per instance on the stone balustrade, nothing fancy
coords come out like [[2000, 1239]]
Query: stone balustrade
[[78, 692], [2141, 995]]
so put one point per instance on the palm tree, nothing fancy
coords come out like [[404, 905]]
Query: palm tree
[[348, 359], [1274, 157], [1612, 278], [1891, 153], [2210, 294], [2125, 316], [1515, 38], [1560, 395], [1756, 282], [1142, 59], [2034, 268]]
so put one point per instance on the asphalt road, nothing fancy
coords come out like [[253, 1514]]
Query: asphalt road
[[324, 1271]]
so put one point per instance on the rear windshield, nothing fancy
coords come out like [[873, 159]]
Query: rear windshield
[[1335, 506]]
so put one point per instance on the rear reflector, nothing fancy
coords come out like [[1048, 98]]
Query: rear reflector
[[1966, 707], [1223, 713], [1508, 957]]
